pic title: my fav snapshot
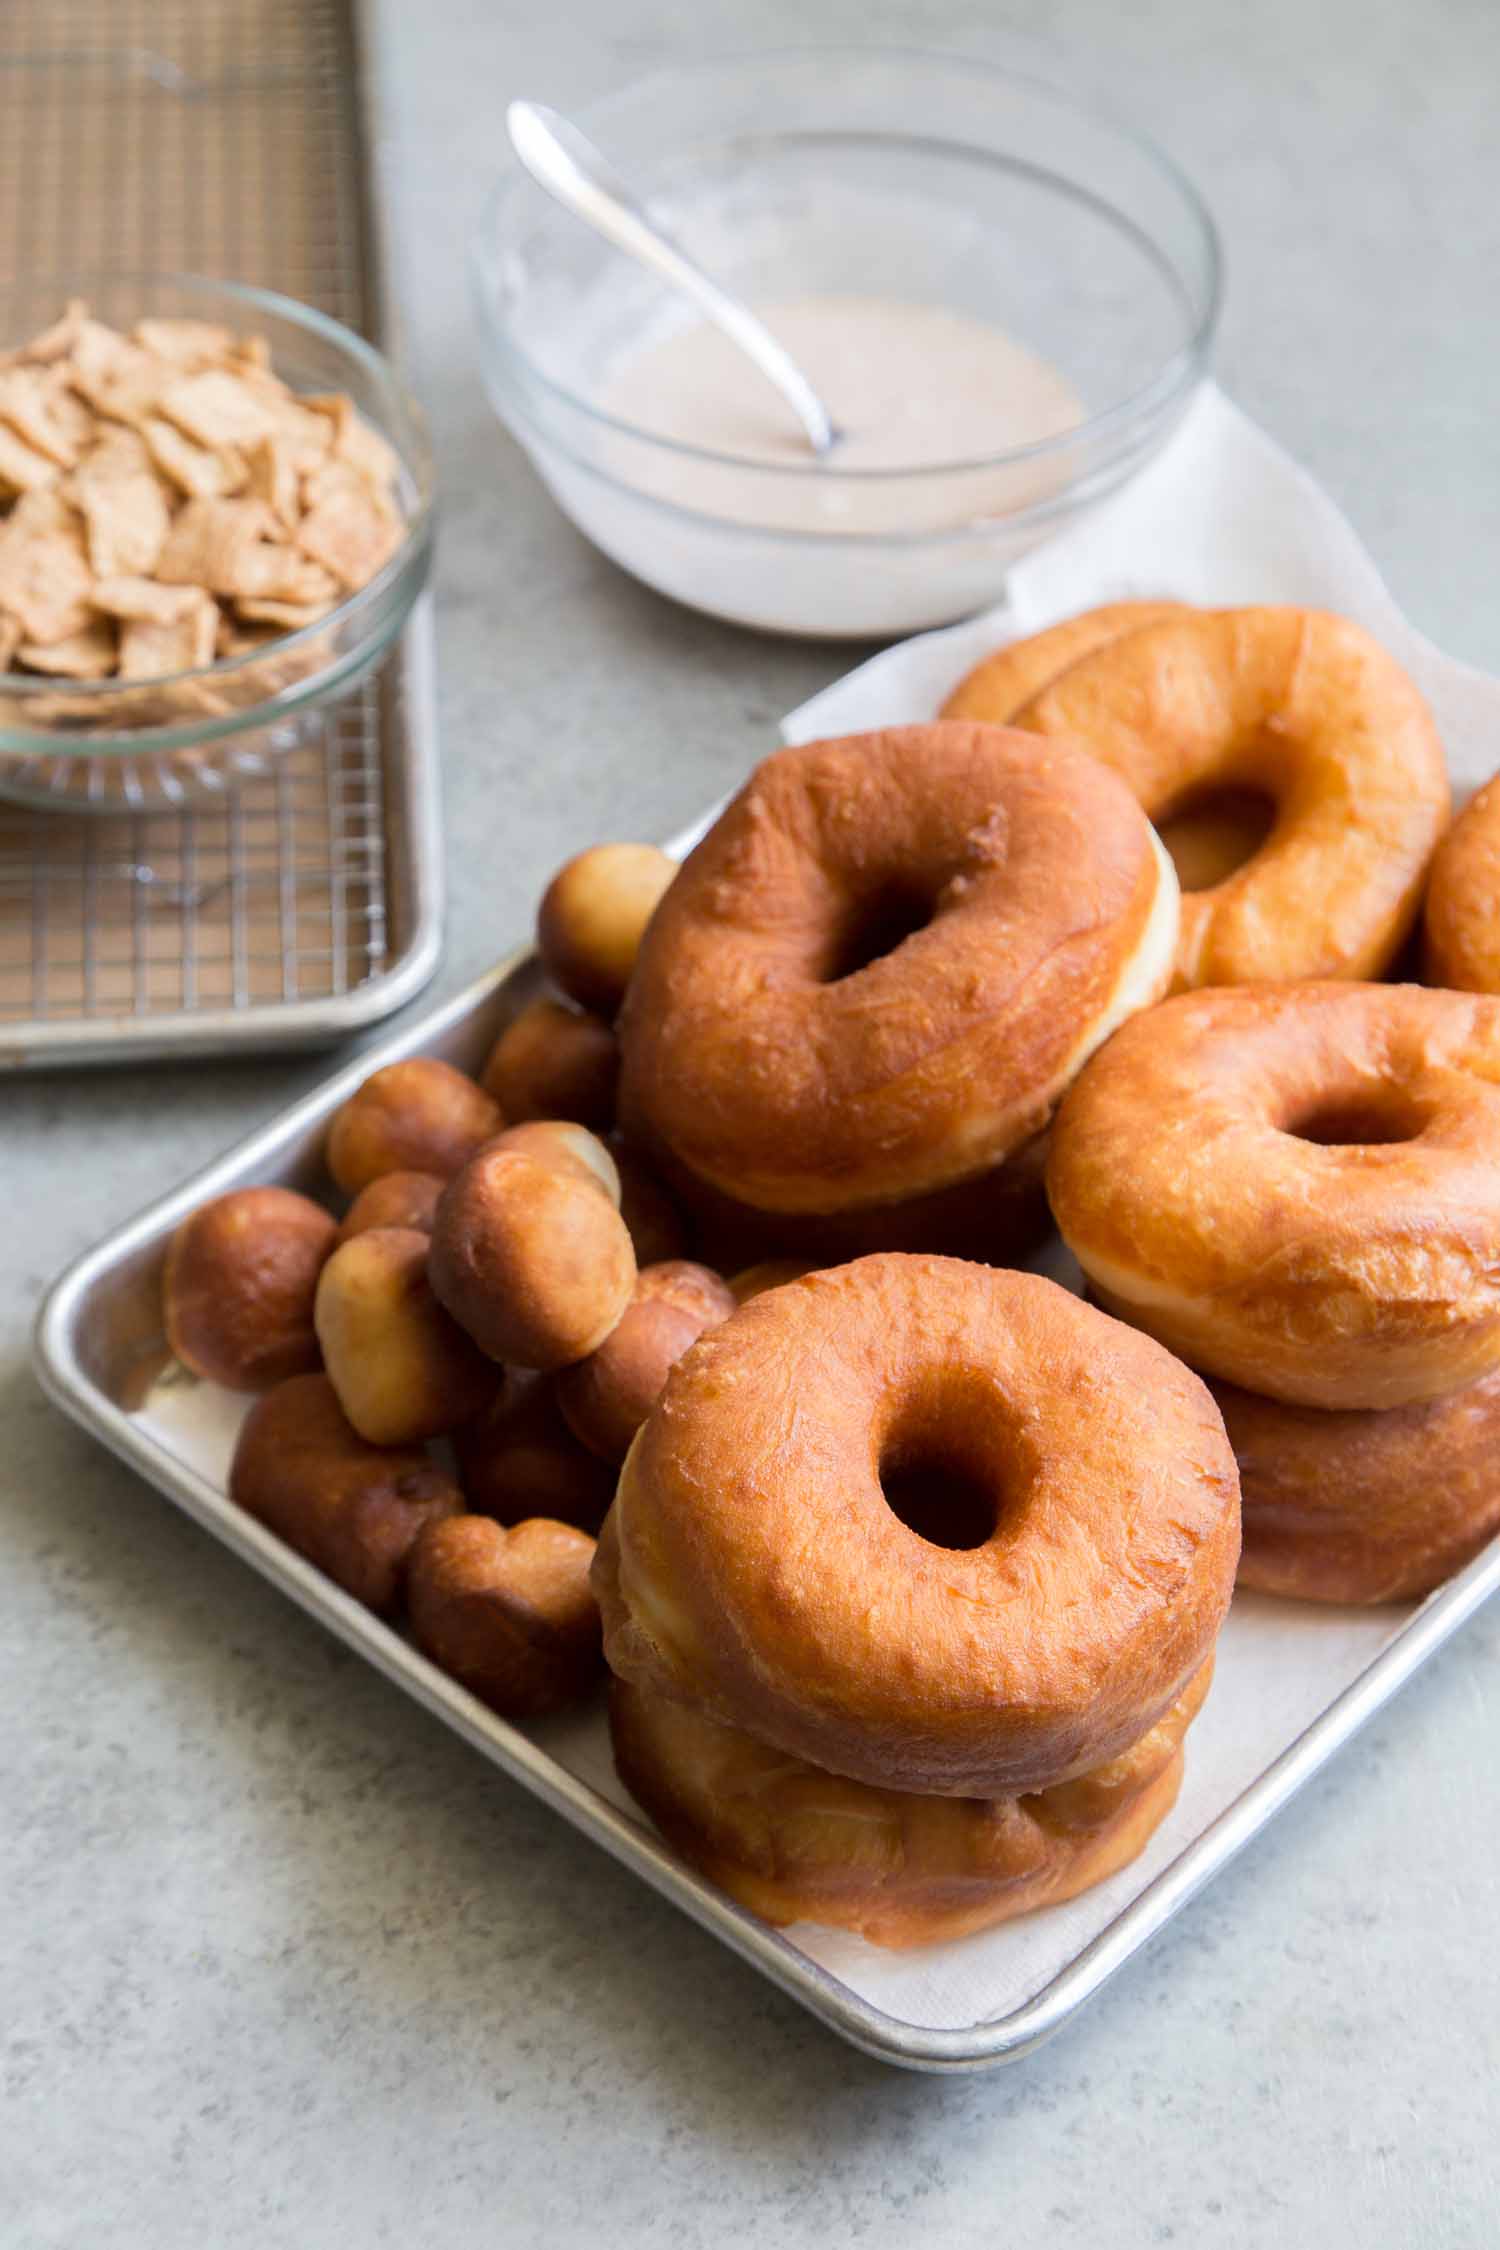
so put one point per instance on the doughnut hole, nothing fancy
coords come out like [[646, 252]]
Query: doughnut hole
[[606, 1397], [402, 1367], [1367, 1117], [1215, 832], [396, 1199], [415, 1116], [519, 1459], [593, 916], [352, 1509], [871, 927], [530, 1259], [654, 1222], [939, 1499], [239, 1286], [947, 1458], [553, 1061], [566, 1147], [509, 1614]]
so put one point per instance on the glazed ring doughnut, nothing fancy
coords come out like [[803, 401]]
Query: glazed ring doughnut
[[1299, 707], [795, 1844], [1462, 926], [996, 688], [887, 958], [1295, 1188], [1360, 1506], [931, 1525]]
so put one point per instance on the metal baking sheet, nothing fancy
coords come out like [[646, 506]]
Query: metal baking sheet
[[232, 138], [1294, 1682]]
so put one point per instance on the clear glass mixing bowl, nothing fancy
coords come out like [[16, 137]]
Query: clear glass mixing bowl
[[114, 745], [868, 172]]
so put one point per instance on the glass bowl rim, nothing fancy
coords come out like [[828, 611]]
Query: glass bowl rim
[[1179, 370], [416, 460]]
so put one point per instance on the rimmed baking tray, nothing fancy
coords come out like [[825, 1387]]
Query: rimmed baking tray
[[234, 138], [1294, 1683]]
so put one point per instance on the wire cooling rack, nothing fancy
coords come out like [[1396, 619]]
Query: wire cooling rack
[[227, 137]]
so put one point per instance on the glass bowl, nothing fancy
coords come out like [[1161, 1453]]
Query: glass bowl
[[114, 745], [856, 172]]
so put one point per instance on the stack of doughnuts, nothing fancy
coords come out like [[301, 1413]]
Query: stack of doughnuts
[[913, 1575], [1290, 1180], [910, 1590], [1295, 1188]]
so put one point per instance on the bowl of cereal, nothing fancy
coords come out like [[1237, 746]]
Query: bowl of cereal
[[215, 516]]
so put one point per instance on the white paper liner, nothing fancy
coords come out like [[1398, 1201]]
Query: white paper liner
[[1223, 516]]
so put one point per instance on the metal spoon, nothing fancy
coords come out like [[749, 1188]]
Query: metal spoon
[[567, 164]]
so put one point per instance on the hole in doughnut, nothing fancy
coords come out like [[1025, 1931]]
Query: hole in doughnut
[[938, 1497], [1211, 834], [1356, 1121], [873, 927]]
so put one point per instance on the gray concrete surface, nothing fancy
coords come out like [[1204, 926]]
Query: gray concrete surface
[[282, 1964]]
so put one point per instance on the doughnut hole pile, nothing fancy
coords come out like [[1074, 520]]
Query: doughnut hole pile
[[480, 1264], [607, 1396], [1295, 1189], [910, 1590]]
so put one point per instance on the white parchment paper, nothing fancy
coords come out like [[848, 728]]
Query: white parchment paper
[[1221, 517]]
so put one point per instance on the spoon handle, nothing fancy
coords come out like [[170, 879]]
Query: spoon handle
[[560, 159]]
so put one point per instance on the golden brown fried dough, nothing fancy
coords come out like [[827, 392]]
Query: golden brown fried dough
[[771, 1273], [533, 1261], [415, 1116], [886, 961], [930, 1525], [655, 1224], [241, 1275], [998, 1219], [1001, 683], [606, 1397], [566, 1147], [1372, 1505], [352, 1509], [797, 1844], [519, 1459], [1461, 922], [396, 1199], [1305, 710], [592, 918], [1294, 1187], [403, 1369], [510, 1614], [555, 1061]]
